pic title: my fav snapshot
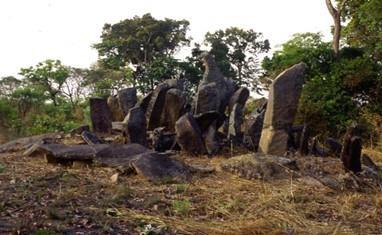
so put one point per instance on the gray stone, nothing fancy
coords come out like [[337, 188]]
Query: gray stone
[[135, 131], [100, 115], [116, 111], [90, 138], [351, 151], [79, 130], [163, 140], [174, 108], [188, 135], [239, 97], [235, 122], [156, 106], [144, 103], [210, 139], [27, 142], [253, 127], [282, 106], [260, 167], [127, 98]]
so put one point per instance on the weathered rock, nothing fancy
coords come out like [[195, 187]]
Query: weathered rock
[[253, 127], [119, 156], [116, 111], [351, 151], [366, 160], [304, 141], [127, 98], [173, 109], [157, 167], [90, 138], [135, 131], [214, 90], [162, 140], [27, 142], [235, 122], [118, 126], [259, 167], [282, 106], [100, 115], [79, 130], [156, 106], [239, 97], [175, 84], [317, 149], [188, 135]]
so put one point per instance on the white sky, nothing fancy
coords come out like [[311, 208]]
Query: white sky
[[36, 30]]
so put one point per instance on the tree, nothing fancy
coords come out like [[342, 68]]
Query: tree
[[237, 53], [49, 76], [8, 85], [138, 42], [336, 14]]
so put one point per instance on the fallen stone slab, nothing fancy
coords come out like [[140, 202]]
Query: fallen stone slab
[[157, 167], [262, 167], [25, 143]]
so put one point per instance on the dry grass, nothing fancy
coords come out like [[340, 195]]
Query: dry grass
[[35, 196]]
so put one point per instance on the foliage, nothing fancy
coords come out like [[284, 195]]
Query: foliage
[[139, 42], [181, 207], [237, 53]]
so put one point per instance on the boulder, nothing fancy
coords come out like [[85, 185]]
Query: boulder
[[174, 108], [127, 98], [281, 109], [135, 126], [188, 135], [100, 115]]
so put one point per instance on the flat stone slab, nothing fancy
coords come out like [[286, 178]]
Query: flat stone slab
[[259, 167], [25, 143]]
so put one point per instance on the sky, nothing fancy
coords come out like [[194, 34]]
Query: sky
[[33, 31]]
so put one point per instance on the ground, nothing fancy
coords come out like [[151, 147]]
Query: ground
[[39, 198]]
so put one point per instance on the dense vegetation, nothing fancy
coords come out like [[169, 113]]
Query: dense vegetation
[[341, 87]]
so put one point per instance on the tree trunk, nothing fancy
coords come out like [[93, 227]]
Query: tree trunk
[[336, 15]]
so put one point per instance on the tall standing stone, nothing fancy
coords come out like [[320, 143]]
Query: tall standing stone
[[100, 115], [282, 106], [173, 109], [127, 99], [116, 112], [240, 96], [235, 122], [351, 151], [254, 126], [135, 124]]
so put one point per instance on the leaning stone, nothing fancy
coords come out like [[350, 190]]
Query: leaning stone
[[127, 99], [204, 120], [235, 122], [253, 127], [173, 109], [90, 138], [100, 115], [135, 127], [366, 160], [144, 103], [188, 135], [282, 106], [208, 99], [210, 139]]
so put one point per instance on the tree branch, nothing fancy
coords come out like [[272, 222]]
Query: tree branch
[[333, 11]]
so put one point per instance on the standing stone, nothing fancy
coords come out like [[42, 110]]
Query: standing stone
[[351, 151], [100, 115], [162, 140], [116, 111], [254, 126], [208, 99], [304, 141], [127, 99], [210, 140], [155, 106], [235, 122], [188, 135], [282, 106], [173, 108], [135, 131]]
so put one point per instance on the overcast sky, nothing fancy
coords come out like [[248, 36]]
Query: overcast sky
[[33, 31]]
